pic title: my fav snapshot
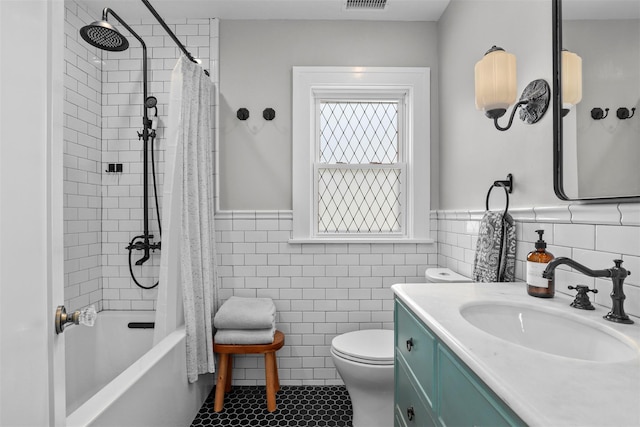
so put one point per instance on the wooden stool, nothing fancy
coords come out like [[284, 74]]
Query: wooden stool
[[270, 366]]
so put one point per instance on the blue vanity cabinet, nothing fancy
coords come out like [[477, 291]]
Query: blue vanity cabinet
[[433, 387], [411, 408], [416, 346]]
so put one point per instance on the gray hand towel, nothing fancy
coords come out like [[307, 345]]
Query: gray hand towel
[[244, 336], [495, 258], [246, 313]]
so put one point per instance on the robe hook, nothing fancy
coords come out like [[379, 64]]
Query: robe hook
[[623, 113]]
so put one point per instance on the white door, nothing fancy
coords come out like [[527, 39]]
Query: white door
[[31, 227]]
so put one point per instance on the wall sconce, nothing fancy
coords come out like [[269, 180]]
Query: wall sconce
[[623, 113], [571, 80], [495, 78]]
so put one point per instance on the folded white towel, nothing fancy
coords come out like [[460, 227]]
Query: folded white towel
[[244, 336], [246, 313]]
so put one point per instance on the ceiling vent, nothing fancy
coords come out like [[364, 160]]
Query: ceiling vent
[[365, 4]]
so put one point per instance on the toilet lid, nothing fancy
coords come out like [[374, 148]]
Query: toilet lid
[[445, 275], [371, 346]]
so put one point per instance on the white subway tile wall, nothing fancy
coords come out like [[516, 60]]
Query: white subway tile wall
[[103, 115], [320, 290], [586, 236], [82, 165], [122, 97]]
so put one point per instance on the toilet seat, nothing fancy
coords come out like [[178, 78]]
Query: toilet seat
[[369, 346]]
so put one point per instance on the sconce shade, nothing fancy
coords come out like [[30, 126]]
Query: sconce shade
[[495, 79], [571, 79]]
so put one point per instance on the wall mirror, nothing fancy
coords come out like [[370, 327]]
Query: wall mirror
[[597, 140]]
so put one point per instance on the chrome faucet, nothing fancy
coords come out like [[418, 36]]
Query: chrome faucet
[[617, 273]]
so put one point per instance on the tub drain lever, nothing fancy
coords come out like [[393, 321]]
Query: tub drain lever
[[86, 316]]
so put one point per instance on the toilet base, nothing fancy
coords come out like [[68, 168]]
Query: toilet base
[[372, 412], [371, 390]]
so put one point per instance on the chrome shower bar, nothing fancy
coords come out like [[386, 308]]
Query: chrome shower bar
[[171, 33]]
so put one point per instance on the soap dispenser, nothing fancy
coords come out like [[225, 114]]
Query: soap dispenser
[[537, 261]]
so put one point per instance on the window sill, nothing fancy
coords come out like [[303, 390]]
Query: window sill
[[334, 240]]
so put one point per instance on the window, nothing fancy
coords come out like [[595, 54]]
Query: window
[[358, 176], [361, 156]]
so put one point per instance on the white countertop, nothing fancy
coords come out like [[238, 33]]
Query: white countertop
[[543, 389]]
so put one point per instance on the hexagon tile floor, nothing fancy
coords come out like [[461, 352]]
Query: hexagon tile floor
[[298, 406]]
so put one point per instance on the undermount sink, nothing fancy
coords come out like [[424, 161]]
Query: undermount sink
[[550, 331]]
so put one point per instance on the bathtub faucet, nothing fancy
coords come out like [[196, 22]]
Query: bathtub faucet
[[617, 273]]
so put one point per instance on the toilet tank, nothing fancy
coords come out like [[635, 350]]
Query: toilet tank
[[444, 275]]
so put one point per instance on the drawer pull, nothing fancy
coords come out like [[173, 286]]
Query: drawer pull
[[410, 413], [409, 344]]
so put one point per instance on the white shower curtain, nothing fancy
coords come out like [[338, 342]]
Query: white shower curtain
[[190, 134]]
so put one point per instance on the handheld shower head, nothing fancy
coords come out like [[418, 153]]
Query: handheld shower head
[[150, 102], [104, 36]]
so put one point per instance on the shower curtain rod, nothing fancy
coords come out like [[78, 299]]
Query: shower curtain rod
[[171, 34]]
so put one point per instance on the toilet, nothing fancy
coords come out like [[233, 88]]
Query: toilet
[[444, 275], [364, 361]]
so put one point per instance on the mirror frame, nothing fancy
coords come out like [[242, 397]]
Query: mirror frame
[[558, 187]]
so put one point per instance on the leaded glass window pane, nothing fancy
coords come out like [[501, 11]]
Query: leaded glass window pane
[[358, 132], [359, 177], [359, 200]]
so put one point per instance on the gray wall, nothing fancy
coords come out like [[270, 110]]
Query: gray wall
[[472, 152], [255, 72]]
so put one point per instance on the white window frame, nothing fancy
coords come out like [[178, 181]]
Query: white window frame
[[409, 85]]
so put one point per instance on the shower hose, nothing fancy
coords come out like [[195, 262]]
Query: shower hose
[[138, 242]]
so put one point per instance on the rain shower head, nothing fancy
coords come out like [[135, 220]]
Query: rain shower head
[[104, 36]]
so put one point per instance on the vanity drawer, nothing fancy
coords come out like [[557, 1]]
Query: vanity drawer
[[409, 409], [417, 347]]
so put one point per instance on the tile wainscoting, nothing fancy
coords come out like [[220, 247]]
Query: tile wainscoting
[[320, 289], [325, 289], [593, 235]]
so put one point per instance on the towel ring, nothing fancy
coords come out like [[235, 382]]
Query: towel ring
[[506, 193]]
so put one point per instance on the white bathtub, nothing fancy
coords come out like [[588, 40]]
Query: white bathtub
[[115, 378]]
